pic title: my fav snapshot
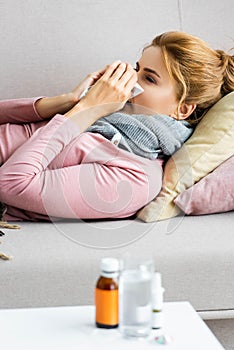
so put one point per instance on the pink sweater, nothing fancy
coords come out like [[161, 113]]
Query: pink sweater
[[50, 170]]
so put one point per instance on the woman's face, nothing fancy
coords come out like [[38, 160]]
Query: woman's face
[[159, 94]]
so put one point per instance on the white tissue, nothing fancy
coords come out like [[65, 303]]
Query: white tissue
[[137, 89]]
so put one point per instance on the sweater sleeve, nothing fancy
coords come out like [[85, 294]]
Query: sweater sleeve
[[19, 111], [26, 180]]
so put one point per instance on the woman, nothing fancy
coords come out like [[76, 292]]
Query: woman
[[59, 155]]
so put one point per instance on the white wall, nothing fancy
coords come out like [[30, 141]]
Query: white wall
[[47, 46]]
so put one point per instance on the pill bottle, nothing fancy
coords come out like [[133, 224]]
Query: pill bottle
[[157, 301], [106, 294]]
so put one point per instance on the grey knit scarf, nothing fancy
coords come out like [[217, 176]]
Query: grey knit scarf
[[151, 137]]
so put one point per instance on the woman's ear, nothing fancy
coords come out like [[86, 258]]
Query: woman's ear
[[185, 110]]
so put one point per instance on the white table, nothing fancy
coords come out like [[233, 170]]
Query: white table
[[68, 328]]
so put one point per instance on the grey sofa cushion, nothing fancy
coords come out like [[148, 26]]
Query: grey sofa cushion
[[58, 263]]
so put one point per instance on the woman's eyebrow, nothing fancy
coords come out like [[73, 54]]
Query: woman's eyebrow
[[149, 70]]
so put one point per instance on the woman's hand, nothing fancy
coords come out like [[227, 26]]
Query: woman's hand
[[110, 89], [89, 80], [113, 89], [109, 94], [47, 107]]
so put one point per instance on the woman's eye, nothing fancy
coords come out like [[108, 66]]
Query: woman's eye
[[150, 79]]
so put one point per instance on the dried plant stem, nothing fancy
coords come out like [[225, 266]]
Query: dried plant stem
[[4, 224], [5, 257]]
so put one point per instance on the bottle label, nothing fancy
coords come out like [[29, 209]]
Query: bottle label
[[106, 302]]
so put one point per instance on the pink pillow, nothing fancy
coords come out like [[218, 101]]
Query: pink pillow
[[214, 193]]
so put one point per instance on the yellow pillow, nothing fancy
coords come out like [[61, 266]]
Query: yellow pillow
[[211, 144]]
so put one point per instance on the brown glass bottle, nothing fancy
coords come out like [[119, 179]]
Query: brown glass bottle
[[106, 294]]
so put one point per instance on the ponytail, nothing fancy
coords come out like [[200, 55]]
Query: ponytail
[[227, 63]]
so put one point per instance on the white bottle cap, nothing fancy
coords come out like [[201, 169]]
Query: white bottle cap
[[109, 267]]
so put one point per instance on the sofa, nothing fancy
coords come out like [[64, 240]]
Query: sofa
[[46, 51], [58, 263]]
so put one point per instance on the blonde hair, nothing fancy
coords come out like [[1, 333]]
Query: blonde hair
[[202, 75]]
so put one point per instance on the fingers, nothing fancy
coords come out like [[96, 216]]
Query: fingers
[[129, 77], [120, 72], [105, 73], [116, 71], [98, 73], [92, 77], [110, 69]]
